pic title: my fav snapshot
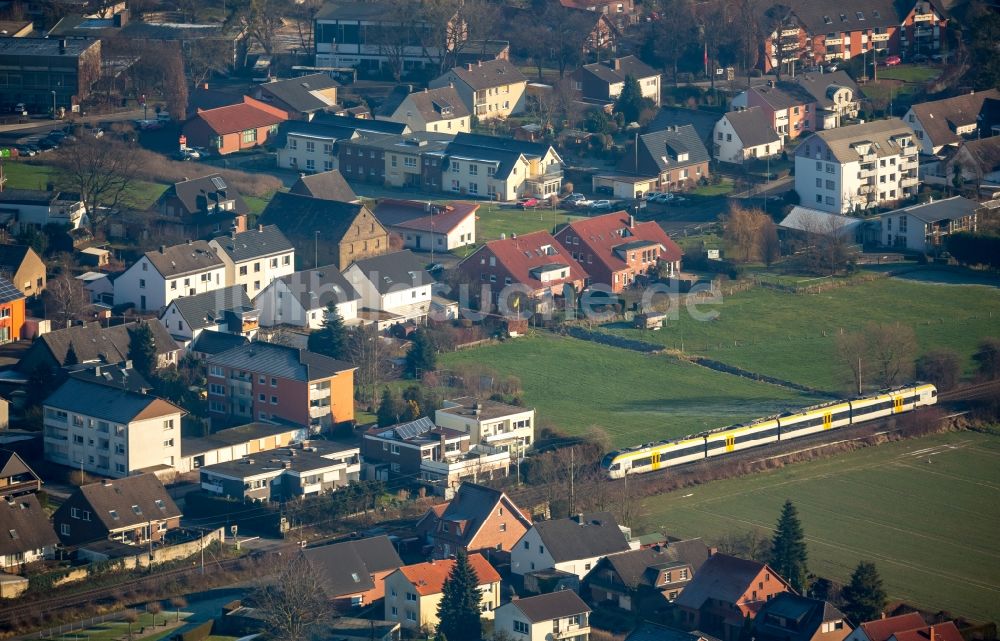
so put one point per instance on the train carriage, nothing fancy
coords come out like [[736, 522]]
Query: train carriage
[[814, 420], [741, 438], [653, 457]]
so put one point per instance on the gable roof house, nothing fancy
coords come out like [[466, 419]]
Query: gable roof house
[[255, 258], [604, 81], [201, 207], [978, 163], [725, 591], [413, 592], [223, 310], [616, 250], [301, 299], [837, 97], [489, 88], [160, 276], [94, 343], [744, 135], [646, 579], [326, 185], [790, 617], [477, 519], [29, 535], [883, 629], [352, 573], [428, 227], [24, 268], [394, 288], [413, 160], [234, 127], [702, 121], [925, 227], [950, 121], [556, 615], [338, 233], [312, 146], [36, 208], [789, 108], [501, 168], [945, 631], [300, 98], [675, 156], [16, 478], [573, 545], [131, 510], [440, 109]]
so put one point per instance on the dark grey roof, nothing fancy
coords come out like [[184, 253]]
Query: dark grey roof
[[617, 69], [272, 462], [353, 10], [94, 343], [825, 17], [818, 85], [582, 537], [297, 92], [553, 605], [790, 617], [197, 193], [346, 568], [360, 124], [35, 47], [180, 31], [658, 151], [301, 216], [506, 160], [389, 272], [784, 95], [632, 566], [529, 149], [489, 73], [120, 495], [11, 256], [722, 577], [327, 185], [112, 376], [213, 342], [442, 103], [752, 126], [317, 288], [186, 258], [108, 403], [266, 240], [702, 121], [24, 526], [11, 464], [208, 308], [278, 360], [483, 409], [653, 632], [472, 506]]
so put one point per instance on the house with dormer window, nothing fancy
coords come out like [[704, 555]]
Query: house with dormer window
[[438, 110], [394, 288], [202, 207], [671, 159], [488, 88], [162, 275], [546, 617]]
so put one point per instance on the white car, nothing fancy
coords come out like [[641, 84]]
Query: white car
[[600, 204], [585, 202]]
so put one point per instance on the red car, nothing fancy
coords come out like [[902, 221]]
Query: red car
[[527, 203], [892, 61]]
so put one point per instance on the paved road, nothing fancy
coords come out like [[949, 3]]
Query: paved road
[[18, 133]]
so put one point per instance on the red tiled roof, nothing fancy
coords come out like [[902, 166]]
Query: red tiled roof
[[604, 233], [946, 631], [235, 118], [450, 217], [882, 629], [428, 578], [519, 255]]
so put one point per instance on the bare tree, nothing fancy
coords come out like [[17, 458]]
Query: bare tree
[[294, 604], [262, 20], [369, 353], [746, 232], [65, 299], [893, 348], [393, 34], [177, 603], [205, 57], [101, 171], [154, 607]]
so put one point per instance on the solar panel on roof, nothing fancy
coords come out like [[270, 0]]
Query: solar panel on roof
[[414, 428], [218, 182], [8, 292]]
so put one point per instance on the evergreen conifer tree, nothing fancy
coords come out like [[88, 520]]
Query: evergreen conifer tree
[[390, 409], [864, 597], [459, 609], [630, 101], [331, 339], [422, 356], [788, 548], [142, 350]]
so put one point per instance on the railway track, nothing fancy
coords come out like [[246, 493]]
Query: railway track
[[974, 392]]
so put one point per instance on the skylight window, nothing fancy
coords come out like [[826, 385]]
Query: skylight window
[[114, 514], [218, 182], [875, 14], [160, 504], [13, 534], [826, 20], [860, 15], [137, 509]]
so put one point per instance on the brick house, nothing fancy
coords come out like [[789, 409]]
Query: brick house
[[675, 157], [352, 573], [788, 108], [790, 617], [234, 128], [11, 311], [477, 519], [647, 578]]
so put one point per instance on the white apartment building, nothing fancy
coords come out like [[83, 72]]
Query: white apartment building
[[501, 168], [506, 427], [857, 167], [162, 275], [490, 88], [308, 148], [255, 258], [109, 431]]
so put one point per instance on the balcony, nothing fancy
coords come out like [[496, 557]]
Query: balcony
[[923, 17], [519, 434], [214, 488], [319, 412], [880, 37], [833, 41], [480, 459], [909, 181], [866, 172], [866, 189], [789, 46], [570, 631], [22, 487], [319, 394]]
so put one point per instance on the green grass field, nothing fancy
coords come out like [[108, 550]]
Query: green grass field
[[495, 220], [792, 336], [118, 630], [635, 398], [909, 73], [21, 175], [924, 510]]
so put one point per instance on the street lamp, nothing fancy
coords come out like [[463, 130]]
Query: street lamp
[[316, 251], [53, 104]]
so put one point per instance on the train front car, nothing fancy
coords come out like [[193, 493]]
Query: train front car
[[926, 394], [612, 466]]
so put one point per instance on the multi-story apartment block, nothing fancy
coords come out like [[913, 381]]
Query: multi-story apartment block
[[162, 275], [110, 431], [413, 160], [312, 146], [48, 73], [857, 167], [506, 427], [490, 88], [265, 381], [255, 258]]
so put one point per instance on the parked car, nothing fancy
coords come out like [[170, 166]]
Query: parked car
[[604, 189], [892, 61], [580, 204], [651, 196], [676, 200], [572, 198], [832, 68], [20, 109], [600, 205], [25, 150], [46, 144], [527, 203]]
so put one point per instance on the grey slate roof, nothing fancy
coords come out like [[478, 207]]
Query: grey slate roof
[[297, 92], [752, 126], [617, 69], [843, 14], [279, 360], [390, 271], [11, 256], [327, 185], [790, 617], [186, 258], [143, 490], [632, 566], [842, 140], [316, 288], [489, 73], [582, 537], [266, 240], [112, 376], [301, 216], [11, 464], [529, 149], [201, 310], [472, 506], [940, 118], [214, 342], [195, 193], [784, 95], [94, 343], [546, 607], [42, 46], [653, 632], [25, 526], [702, 121], [346, 568], [360, 124], [443, 103], [108, 403], [943, 209], [819, 84], [658, 151]]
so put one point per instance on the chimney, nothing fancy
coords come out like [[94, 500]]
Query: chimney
[[62, 46], [97, 371], [932, 633], [163, 249], [631, 221], [770, 83], [260, 228], [578, 518], [204, 86], [232, 234], [618, 64], [189, 241], [127, 365], [106, 482], [479, 63], [469, 66]]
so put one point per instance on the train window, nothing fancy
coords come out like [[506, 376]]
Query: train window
[[615, 467], [933, 392], [642, 462]]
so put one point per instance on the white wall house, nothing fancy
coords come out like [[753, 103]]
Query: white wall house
[[744, 135], [490, 88], [507, 427], [857, 167], [308, 150], [256, 257], [300, 299], [546, 617], [491, 172], [395, 283], [437, 110], [925, 227], [226, 310], [162, 275], [573, 545], [33, 208]]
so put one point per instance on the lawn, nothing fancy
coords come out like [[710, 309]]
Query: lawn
[[792, 336], [724, 188], [495, 220], [924, 510], [909, 73], [21, 175], [635, 398], [118, 630]]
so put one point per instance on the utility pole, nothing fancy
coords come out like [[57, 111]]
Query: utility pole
[[202, 551], [149, 538], [572, 481], [859, 376]]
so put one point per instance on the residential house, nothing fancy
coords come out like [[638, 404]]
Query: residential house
[[326, 185], [536, 263], [266, 381], [49, 73], [234, 128], [413, 592], [312, 146], [301, 299], [836, 97], [162, 275], [110, 431], [438, 110], [489, 89], [133, 510], [674, 158], [200, 207], [546, 617], [338, 233], [16, 478], [430, 227], [211, 342], [976, 163], [100, 287], [946, 631], [22, 266], [501, 168], [857, 167], [300, 98], [94, 343], [394, 288], [12, 312], [789, 109], [646, 579], [505, 427], [883, 629], [925, 227], [223, 310], [616, 250], [744, 135], [573, 545], [352, 573], [702, 121], [790, 617], [413, 160], [604, 81], [30, 535], [120, 376], [950, 121], [235, 443], [255, 258], [280, 475], [477, 519], [438, 455], [648, 631], [36, 208], [725, 591]]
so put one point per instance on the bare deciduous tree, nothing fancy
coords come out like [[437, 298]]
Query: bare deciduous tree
[[370, 354], [746, 234], [879, 354], [293, 604], [262, 20], [101, 171], [65, 299]]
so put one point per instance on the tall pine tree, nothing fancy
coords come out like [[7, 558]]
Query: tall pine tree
[[422, 356], [390, 409], [142, 349], [630, 102], [331, 339], [864, 597], [788, 548], [459, 609]]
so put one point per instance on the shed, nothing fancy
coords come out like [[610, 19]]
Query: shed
[[95, 257]]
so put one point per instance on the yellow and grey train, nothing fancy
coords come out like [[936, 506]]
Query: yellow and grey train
[[656, 456]]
